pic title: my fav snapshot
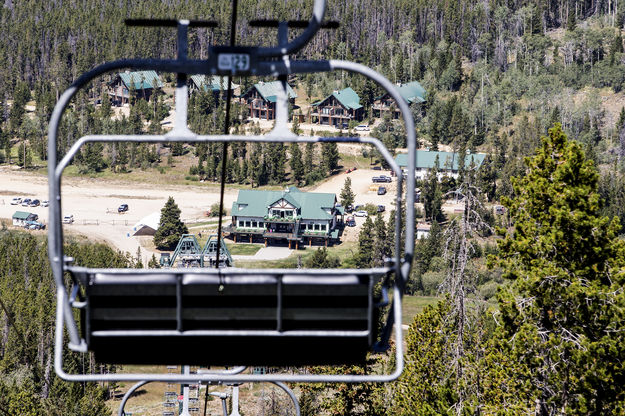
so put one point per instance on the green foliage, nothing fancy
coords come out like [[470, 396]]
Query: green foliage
[[297, 166], [27, 292], [347, 195], [424, 388], [330, 157], [322, 260], [364, 257], [562, 314], [170, 228], [433, 195]]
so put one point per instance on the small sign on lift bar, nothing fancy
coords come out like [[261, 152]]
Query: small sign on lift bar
[[233, 62]]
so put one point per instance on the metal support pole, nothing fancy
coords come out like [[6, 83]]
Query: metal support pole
[[185, 394], [235, 401]]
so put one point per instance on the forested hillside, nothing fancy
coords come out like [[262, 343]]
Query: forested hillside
[[28, 384], [497, 73]]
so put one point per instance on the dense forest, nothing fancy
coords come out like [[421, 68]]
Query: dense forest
[[531, 318], [27, 298], [497, 73]]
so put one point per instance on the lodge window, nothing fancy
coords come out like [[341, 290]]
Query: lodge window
[[261, 224], [316, 227], [241, 223], [254, 224], [248, 224]]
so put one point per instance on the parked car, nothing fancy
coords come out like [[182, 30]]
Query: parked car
[[45, 203], [349, 208], [381, 190], [381, 178], [377, 168], [359, 207], [361, 213], [122, 208], [381, 208], [350, 222], [26, 202], [34, 203], [16, 201], [34, 225], [362, 127], [68, 219]]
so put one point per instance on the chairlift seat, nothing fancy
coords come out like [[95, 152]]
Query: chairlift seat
[[229, 316]]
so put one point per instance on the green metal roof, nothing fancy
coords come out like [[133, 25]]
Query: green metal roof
[[347, 97], [141, 79], [21, 215], [447, 160], [215, 83], [269, 90], [255, 203], [412, 92]]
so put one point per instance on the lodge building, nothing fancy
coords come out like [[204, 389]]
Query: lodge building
[[290, 216]]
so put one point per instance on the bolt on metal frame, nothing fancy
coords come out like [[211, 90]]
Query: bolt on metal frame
[[260, 63]]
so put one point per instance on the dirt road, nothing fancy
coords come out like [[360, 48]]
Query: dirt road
[[93, 203]]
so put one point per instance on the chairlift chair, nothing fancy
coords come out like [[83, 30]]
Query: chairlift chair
[[226, 315]]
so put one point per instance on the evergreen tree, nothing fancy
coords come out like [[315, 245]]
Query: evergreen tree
[[170, 228], [381, 249], [433, 195], [364, 257], [297, 166], [24, 155], [562, 316], [295, 127], [309, 155], [347, 195], [330, 157], [322, 260]]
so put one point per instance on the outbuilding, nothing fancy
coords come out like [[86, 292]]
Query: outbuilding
[[20, 218], [147, 225]]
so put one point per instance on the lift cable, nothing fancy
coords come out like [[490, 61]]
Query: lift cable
[[224, 154]]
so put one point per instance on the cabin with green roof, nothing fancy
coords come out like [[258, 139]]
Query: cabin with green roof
[[412, 93], [290, 216], [338, 109], [143, 83], [261, 99], [216, 84], [447, 162]]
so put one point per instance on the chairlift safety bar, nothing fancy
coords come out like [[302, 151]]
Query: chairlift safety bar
[[230, 61]]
